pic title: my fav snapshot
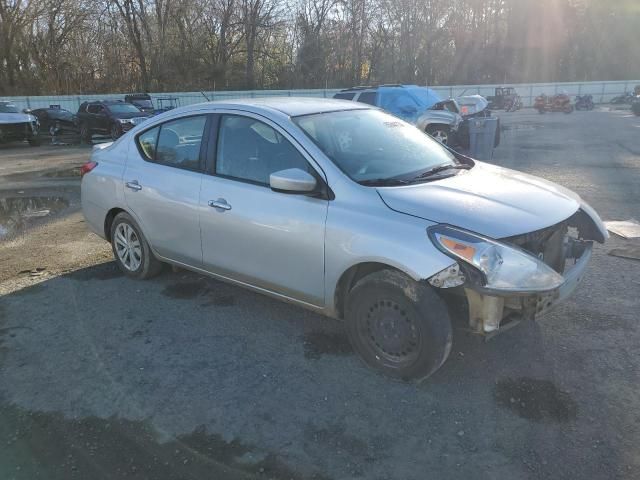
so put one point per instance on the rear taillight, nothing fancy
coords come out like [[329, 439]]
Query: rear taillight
[[87, 167]]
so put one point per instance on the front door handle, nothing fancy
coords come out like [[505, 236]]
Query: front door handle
[[134, 185], [221, 203]]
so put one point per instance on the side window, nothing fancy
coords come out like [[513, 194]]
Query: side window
[[251, 150], [94, 108], [344, 96], [368, 98], [175, 143], [147, 142]]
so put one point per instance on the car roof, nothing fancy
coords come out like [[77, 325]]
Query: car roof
[[290, 106]]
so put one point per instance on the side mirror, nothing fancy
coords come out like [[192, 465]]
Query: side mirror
[[292, 180], [26, 110]]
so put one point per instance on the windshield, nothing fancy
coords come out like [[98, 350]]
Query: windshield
[[370, 144], [8, 108], [425, 96], [123, 108], [143, 103]]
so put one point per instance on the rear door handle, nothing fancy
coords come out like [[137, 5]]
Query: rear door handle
[[221, 203], [134, 185]]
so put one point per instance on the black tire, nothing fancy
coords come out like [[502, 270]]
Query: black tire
[[439, 133], [34, 141], [115, 131], [496, 139], [149, 265], [568, 109], [398, 326], [85, 133]]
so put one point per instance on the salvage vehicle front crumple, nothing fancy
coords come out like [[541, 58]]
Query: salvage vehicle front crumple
[[520, 244]]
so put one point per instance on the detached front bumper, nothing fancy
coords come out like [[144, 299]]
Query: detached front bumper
[[491, 310]]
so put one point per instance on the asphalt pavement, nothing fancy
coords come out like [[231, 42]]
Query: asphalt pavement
[[184, 377]]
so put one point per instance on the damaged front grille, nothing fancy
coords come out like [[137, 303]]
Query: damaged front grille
[[548, 244]]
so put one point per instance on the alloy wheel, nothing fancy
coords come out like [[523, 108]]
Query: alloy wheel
[[128, 247], [441, 136]]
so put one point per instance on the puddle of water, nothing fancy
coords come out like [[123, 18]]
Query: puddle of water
[[537, 400], [17, 214], [317, 344], [48, 445]]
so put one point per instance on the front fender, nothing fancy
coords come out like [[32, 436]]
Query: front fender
[[384, 237]]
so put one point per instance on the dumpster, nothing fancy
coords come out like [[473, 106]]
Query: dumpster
[[482, 137]]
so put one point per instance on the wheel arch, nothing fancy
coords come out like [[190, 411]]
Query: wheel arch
[[352, 275], [108, 221]]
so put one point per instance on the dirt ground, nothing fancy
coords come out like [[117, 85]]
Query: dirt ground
[[184, 377]]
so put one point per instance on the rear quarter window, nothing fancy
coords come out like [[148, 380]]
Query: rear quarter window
[[368, 97], [344, 96]]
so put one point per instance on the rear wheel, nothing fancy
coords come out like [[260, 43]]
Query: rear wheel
[[398, 326], [34, 141], [440, 133], [131, 250], [568, 109]]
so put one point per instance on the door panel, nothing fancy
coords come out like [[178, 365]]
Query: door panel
[[165, 197], [249, 232], [268, 239]]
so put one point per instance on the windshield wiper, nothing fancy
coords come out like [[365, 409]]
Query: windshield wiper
[[382, 182], [442, 168]]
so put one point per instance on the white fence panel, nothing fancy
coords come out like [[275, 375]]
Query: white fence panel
[[602, 92]]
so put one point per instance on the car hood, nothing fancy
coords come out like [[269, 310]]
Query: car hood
[[444, 115], [6, 118], [489, 200]]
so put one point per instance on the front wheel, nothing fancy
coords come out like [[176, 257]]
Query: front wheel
[[440, 133], [115, 132], [398, 326], [131, 250]]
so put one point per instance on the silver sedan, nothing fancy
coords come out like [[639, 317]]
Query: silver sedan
[[343, 209]]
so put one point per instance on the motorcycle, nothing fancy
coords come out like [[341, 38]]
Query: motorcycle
[[625, 98], [584, 102], [556, 103]]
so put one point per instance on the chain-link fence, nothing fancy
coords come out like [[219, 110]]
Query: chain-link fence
[[602, 92]]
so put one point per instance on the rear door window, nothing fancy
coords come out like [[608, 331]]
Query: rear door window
[[176, 143], [344, 96]]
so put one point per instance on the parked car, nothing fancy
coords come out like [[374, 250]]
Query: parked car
[[635, 106], [141, 100], [108, 117], [505, 98], [412, 104], [17, 126], [469, 107], [343, 209], [57, 121]]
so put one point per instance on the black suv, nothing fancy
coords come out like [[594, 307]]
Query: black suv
[[108, 117]]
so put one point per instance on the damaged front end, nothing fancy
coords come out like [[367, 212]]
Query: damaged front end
[[516, 278]]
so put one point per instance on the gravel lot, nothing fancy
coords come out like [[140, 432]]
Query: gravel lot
[[183, 377]]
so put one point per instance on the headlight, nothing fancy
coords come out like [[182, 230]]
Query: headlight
[[124, 120], [503, 267]]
